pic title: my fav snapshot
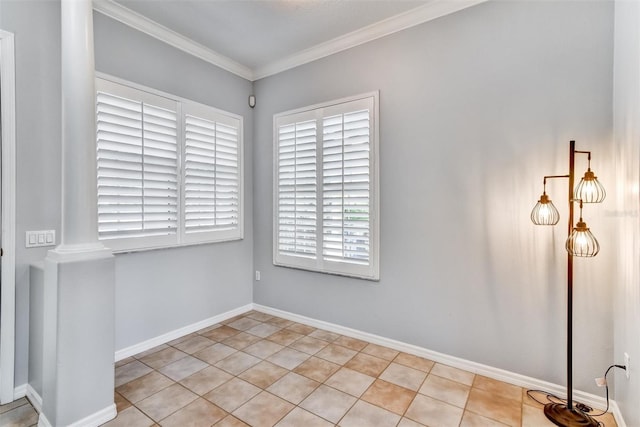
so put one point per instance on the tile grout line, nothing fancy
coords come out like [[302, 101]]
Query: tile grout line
[[329, 339], [314, 354]]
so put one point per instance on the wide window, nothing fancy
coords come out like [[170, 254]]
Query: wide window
[[169, 169], [325, 187]]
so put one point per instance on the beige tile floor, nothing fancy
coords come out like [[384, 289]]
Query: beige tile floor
[[18, 413], [259, 370]]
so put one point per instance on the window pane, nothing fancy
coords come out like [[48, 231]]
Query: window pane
[[119, 145], [212, 176], [297, 182], [345, 189]]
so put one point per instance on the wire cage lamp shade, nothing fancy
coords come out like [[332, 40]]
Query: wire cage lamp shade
[[581, 242], [545, 212], [589, 190]]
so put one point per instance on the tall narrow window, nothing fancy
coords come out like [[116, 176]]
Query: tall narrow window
[[169, 170], [211, 173], [325, 192]]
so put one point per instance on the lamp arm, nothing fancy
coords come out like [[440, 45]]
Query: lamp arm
[[544, 181], [588, 153]]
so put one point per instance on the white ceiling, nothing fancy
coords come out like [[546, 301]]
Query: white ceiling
[[255, 38]]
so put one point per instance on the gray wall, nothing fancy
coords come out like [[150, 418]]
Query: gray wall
[[36, 25], [160, 291], [475, 108], [626, 149]]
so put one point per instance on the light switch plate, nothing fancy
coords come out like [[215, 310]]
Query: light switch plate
[[40, 238]]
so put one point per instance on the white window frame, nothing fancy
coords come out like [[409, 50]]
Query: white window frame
[[180, 238], [319, 263]]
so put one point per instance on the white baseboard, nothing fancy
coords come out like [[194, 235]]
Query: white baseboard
[[19, 392], [97, 418], [467, 365], [177, 333], [43, 421], [94, 420], [615, 410], [35, 398]]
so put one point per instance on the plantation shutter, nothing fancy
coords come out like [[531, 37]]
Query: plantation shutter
[[346, 187], [169, 170], [119, 135], [212, 173], [160, 171], [137, 165], [297, 188], [325, 182]]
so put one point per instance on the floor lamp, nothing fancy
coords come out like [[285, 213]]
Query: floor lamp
[[580, 242]]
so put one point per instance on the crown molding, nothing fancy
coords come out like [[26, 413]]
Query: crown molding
[[143, 24], [430, 11]]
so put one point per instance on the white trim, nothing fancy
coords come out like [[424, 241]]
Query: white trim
[[94, 420], [43, 421], [430, 11], [467, 365], [19, 392], [617, 414], [35, 398], [97, 418], [143, 24], [411, 18], [8, 309], [180, 332], [62, 254]]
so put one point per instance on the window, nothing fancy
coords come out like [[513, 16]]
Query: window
[[169, 170], [325, 188]]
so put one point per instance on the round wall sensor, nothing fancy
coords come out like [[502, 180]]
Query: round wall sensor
[[252, 101]]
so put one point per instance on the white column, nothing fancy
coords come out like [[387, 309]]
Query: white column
[[79, 289], [79, 206]]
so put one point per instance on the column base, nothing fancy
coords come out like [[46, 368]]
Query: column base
[[79, 334]]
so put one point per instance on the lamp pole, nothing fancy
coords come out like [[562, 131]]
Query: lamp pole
[[572, 159]]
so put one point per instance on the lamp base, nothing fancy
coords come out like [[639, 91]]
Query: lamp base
[[562, 416]]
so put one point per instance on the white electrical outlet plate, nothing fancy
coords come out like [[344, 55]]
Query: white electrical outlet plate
[[257, 275], [627, 370]]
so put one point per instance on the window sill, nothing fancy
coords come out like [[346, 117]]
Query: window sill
[[173, 246], [374, 277]]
